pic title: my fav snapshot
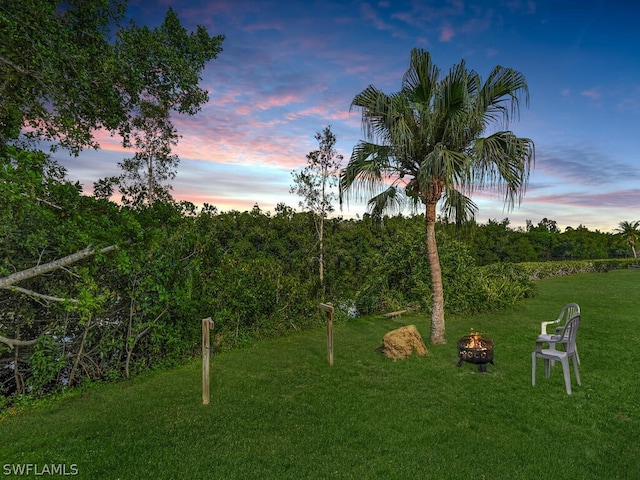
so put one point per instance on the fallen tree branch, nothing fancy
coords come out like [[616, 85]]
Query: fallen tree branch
[[13, 342], [31, 293], [9, 280]]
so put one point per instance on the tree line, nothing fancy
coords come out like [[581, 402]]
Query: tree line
[[497, 241], [91, 289]]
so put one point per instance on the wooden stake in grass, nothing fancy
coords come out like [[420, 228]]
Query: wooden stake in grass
[[327, 307], [207, 326]]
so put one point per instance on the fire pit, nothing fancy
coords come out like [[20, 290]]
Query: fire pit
[[476, 349]]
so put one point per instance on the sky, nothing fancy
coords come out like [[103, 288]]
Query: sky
[[290, 68]]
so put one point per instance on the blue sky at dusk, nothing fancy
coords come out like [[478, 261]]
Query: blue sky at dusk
[[288, 69]]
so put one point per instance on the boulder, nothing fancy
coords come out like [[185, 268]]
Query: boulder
[[402, 342]]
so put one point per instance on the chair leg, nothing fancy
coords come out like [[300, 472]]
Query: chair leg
[[552, 346], [576, 362], [533, 369], [567, 374], [547, 368], [577, 356]]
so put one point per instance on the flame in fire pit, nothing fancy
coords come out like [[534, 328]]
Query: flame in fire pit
[[476, 341]]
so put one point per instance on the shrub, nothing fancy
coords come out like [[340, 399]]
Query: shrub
[[504, 285], [540, 270]]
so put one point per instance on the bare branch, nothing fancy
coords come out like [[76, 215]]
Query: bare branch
[[46, 202], [51, 266], [31, 293]]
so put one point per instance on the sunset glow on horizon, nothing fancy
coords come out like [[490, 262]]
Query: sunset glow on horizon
[[288, 69]]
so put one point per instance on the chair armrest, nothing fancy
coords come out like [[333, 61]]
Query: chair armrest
[[543, 326]]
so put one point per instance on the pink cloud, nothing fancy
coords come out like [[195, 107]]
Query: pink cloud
[[243, 110], [593, 94], [323, 111], [262, 26], [446, 33], [628, 104], [229, 96], [358, 69], [619, 199], [109, 142], [279, 101], [477, 25], [370, 15]]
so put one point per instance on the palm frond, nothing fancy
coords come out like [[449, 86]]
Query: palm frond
[[458, 206], [364, 172], [453, 92], [386, 119], [499, 97], [421, 79], [503, 163], [391, 201], [377, 112]]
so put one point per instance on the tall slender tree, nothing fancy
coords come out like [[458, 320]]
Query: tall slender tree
[[430, 141], [145, 175], [314, 182]]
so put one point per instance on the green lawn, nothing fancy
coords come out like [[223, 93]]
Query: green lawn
[[279, 411]]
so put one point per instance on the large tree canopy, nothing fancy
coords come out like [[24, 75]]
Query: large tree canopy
[[427, 143], [70, 67]]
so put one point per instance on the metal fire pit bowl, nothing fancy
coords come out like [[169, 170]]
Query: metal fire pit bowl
[[475, 349]]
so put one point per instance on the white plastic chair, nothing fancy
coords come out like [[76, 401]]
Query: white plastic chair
[[569, 311], [551, 354]]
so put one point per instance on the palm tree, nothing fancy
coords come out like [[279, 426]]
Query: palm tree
[[630, 232], [424, 144]]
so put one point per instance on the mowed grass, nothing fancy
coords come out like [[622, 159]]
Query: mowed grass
[[278, 410]]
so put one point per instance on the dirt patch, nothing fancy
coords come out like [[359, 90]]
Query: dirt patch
[[402, 342]]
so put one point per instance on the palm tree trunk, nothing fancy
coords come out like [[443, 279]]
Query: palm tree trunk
[[437, 311]]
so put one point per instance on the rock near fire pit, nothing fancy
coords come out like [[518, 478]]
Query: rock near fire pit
[[402, 342]]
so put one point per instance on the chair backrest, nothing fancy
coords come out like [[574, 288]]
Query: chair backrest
[[569, 334], [569, 311]]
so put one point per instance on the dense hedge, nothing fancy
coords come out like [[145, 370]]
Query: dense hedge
[[540, 270]]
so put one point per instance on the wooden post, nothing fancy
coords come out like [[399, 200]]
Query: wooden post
[[207, 326], [327, 307]]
